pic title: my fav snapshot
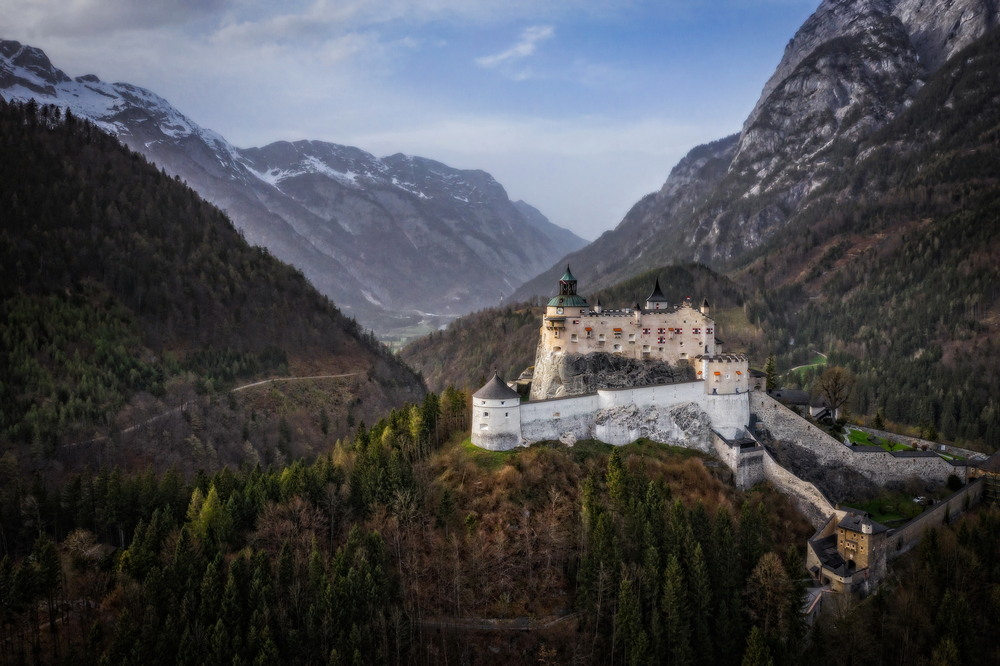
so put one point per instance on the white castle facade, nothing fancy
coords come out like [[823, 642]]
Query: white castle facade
[[718, 399]]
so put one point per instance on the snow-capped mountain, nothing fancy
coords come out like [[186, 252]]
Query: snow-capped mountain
[[380, 236]]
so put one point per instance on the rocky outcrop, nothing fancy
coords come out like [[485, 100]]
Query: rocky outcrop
[[684, 425], [563, 374], [851, 69]]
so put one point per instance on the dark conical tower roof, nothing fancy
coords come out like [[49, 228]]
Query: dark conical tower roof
[[567, 276], [657, 294], [496, 389]]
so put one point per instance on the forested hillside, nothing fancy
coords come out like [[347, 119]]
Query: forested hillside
[[504, 339], [124, 296], [395, 547], [892, 266]]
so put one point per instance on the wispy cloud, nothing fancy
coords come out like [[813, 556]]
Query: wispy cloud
[[525, 46]]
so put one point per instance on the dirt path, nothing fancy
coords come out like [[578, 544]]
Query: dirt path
[[808, 364], [183, 407]]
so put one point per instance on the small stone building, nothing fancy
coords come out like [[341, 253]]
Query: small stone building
[[848, 553]]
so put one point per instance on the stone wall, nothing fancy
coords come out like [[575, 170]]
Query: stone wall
[[877, 465], [564, 419], [678, 414], [907, 536], [931, 446], [806, 496]]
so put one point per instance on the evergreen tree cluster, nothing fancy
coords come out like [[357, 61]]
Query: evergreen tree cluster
[[115, 278], [664, 583]]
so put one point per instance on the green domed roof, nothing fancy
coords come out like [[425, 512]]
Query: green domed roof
[[570, 301], [567, 276]]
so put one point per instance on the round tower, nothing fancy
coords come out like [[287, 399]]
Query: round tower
[[496, 416]]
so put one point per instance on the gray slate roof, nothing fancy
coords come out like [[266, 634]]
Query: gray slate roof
[[853, 521], [496, 389]]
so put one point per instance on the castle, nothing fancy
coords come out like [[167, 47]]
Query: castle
[[714, 396]]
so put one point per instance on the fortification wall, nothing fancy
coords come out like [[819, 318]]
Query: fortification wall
[[565, 419], [907, 536], [931, 446], [878, 466], [807, 497]]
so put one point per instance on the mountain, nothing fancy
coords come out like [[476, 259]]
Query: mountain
[[128, 304], [390, 239], [859, 210], [851, 68]]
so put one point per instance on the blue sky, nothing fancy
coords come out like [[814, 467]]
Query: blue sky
[[578, 107]]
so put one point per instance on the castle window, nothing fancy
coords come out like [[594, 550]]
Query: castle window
[[645, 331], [600, 337], [484, 426], [506, 414], [631, 337], [486, 414], [645, 349], [555, 334], [696, 331], [678, 331], [708, 331], [660, 331], [661, 340], [618, 347], [572, 337]]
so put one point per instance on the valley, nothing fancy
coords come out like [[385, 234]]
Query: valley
[[271, 404]]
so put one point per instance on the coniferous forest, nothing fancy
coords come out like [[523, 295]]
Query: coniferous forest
[[289, 526]]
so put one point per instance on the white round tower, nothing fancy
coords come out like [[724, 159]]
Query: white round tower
[[496, 416]]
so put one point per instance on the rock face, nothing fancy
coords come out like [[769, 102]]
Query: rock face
[[397, 235], [851, 68], [684, 425], [561, 374]]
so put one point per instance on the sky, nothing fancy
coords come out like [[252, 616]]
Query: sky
[[579, 107]]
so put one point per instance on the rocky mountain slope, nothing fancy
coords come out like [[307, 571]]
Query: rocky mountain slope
[[851, 68], [383, 237], [867, 230]]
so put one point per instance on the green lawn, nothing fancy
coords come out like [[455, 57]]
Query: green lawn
[[891, 509], [864, 439]]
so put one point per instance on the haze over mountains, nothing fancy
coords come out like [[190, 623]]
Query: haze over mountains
[[379, 236]]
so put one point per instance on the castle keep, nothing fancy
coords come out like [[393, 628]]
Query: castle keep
[[712, 393]]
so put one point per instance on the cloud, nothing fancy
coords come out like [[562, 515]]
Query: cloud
[[100, 17], [530, 38]]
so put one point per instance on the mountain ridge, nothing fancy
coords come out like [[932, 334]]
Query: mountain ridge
[[363, 229]]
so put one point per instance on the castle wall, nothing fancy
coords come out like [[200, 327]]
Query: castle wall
[[620, 416], [559, 419], [879, 466], [907, 536]]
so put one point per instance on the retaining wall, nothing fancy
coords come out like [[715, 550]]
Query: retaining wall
[[931, 446], [877, 465], [907, 536]]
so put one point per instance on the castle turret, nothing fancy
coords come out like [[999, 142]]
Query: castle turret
[[496, 416], [656, 300], [706, 308], [566, 304]]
